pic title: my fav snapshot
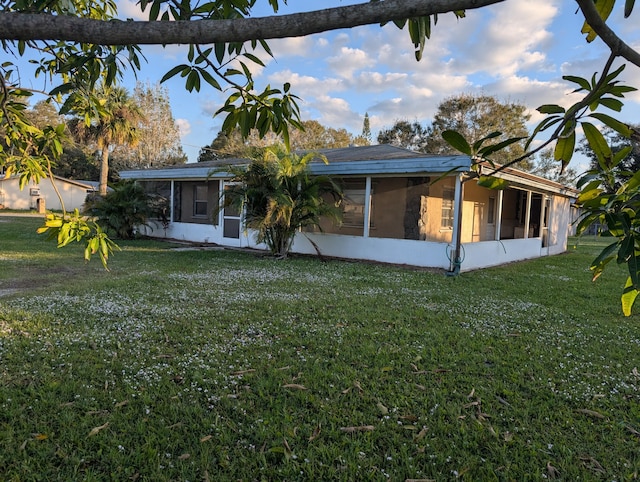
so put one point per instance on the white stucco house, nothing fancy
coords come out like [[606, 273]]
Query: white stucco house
[[42, 195], [400, 207]]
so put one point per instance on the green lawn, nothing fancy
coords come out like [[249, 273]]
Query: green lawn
[[223, 365]]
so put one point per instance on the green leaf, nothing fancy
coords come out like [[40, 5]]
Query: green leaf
[[598, 144], [613, 104], [457, 141], [564, 148], [615, 124], [628, 297], [491, 182], [582, 82], [174, 71], [551, 109], [628, 7]]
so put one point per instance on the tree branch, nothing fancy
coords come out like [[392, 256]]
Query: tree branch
[[27, 26], [608, 36]]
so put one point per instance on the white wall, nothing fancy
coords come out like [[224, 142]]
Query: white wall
[[385, 250], [11, 197]]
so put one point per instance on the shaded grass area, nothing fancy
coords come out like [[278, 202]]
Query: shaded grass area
[[220, 365]]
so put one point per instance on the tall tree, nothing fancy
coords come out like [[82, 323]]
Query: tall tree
[[405, 134], [477, 116], [158, 134], [311, 136], [111, 117]]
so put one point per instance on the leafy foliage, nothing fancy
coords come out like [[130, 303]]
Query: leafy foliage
[[124, 208], [279, 197], [76, 228]]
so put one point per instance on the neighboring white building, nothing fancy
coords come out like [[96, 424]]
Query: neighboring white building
[[400, 207], [39, 195]]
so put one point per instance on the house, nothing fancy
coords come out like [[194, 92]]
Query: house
[[399, 207], [42, 195]]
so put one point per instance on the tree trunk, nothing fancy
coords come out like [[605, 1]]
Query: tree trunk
[[104, 171]]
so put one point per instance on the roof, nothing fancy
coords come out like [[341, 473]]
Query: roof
[[81, 184], [382, 159], [347, 161]]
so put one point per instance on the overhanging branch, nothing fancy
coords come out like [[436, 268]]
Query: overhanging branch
[[608, 36], [26, 26]]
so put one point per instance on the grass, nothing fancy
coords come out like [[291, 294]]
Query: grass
[[223, 365]]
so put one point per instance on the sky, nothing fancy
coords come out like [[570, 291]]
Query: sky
[[517, 51]]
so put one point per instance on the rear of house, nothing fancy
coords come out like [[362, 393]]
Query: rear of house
[[400, 207]]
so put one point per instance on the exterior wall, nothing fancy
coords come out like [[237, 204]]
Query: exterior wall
[[197, 233], [11, 197], [396, 251], [493, 253]]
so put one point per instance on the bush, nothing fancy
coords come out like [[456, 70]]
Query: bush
[[126, 206]]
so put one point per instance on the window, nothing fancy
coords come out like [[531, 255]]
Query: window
[[200, 201], [448, 194], [353, 203], [491, 215]]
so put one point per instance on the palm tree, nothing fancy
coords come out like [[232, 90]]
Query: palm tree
[[279, 197], [110, 118]]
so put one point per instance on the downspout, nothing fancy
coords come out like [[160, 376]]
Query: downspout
[[458, 199]]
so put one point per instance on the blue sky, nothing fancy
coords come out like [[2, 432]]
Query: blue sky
[[517, 50]]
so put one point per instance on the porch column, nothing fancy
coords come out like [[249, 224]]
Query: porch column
[[171, 201], [367, 207], [527, 216], [499, 215], [458, 200]]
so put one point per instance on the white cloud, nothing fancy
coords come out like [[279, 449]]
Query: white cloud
[[348, 61], [184, 126], [307, 86], [131, 9]]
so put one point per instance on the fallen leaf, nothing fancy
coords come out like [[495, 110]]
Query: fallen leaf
[[23, 446], [632, 430], [41, 436], [175, 425], [96, 430], [635, 372], [592, 464], [591, 413], [508, 436], [294, 386], [243, 372], [383, 410], [315, 434], [473, 392], [552, 471], [67, 404], [361, 428], [184, 457], [206, 438], [122, 403], [421, 387], [421, 434]]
